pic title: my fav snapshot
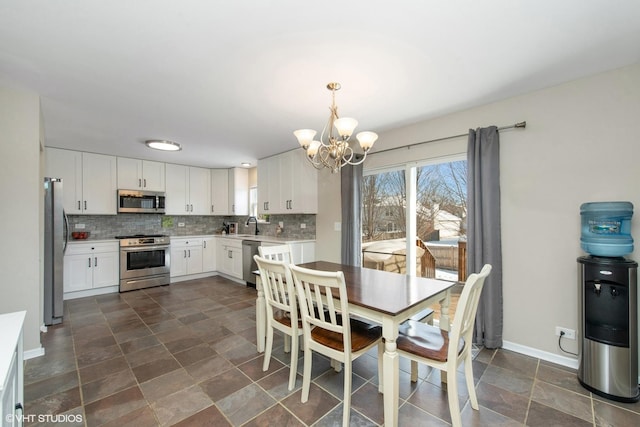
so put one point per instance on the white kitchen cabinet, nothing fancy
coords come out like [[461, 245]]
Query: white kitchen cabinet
[[89, 180], [229, 257], [287, 184], [12, 368], [220, 191], [238, 191], [208, 254], [269, 185], [301, 252], [135, 174], [298, 184], [90, 265], [188, 190], [186, 256]]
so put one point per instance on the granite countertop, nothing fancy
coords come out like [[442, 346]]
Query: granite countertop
[[258, 238]]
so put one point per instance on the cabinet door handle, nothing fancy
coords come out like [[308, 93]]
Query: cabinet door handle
[[211, 208], [89, 259], [204, 244], [186, 207], [85, 205], [229, 254], [185, 253], [145, 182], [78, 204], [95, 261], [139, 182], [189, 250]]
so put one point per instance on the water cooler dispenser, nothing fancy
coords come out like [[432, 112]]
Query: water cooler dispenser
[[607, 286]]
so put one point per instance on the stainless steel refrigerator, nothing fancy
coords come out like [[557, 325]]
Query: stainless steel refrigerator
[[55, 243]]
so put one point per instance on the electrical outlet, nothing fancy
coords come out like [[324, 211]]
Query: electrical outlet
[[181, 224], [79, 226], [303, 225], [568, 333]]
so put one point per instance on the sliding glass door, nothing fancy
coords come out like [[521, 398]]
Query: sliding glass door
[[414, 218]]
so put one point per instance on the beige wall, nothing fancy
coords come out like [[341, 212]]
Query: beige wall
[[580, 145], [20, 208]]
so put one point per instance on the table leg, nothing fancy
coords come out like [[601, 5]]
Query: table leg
[[390, 373], [261, 317]]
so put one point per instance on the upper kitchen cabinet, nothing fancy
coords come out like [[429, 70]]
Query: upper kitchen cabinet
[[298, 183], [135, 174], [269, 185], [220, 191], [238, 191], [188, 190], [287, 184], [89, 180]]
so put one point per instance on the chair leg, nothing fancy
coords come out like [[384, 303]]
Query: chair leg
[[468, 373], [414, 371], [346, 402], [294, 360], [452, 395], [380, 374], [287, 343], [267, 349], [306, 374]]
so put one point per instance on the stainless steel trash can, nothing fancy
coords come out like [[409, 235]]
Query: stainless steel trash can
[[608, 327]]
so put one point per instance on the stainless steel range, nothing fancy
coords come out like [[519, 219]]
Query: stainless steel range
[[145, 261]]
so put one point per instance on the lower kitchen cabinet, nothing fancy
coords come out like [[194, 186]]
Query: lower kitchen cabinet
[[229, 257], [11, 369], [208, 254], [90, 265], [186, 256]]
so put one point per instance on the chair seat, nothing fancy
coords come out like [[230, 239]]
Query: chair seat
[[285, 318], [425, 340], [362, 335]]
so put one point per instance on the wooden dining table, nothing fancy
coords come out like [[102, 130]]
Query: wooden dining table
[[385, 298]]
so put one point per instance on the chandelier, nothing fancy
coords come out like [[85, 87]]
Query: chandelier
[[334, 152]]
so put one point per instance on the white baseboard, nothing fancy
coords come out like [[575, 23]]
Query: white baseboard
[[35, 352], [176, 279], [571, 362]]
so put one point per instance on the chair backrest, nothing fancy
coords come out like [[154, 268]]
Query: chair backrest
[[320, 308], [278, 287], [277, 253], [465, 315]]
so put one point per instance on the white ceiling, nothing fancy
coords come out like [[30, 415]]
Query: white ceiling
[[230, 80]]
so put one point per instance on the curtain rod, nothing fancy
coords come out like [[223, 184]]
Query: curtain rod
[[519, 125]]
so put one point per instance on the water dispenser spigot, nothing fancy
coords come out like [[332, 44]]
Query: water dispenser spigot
[[597, 288]]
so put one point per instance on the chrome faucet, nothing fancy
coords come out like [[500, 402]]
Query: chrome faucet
[[254, 220]]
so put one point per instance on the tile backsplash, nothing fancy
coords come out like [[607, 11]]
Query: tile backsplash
[[108, 226]]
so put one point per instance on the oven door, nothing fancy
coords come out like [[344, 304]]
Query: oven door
[[144, 261]]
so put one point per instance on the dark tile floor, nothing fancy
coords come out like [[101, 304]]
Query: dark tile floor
[[185, 355]]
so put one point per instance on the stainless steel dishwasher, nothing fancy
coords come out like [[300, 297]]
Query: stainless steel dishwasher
[[249, 249]]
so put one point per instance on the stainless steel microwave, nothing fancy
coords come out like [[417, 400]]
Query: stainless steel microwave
[[135, 201]]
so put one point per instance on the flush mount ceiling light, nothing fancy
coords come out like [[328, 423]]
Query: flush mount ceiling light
[[334, 152], [160, 144]]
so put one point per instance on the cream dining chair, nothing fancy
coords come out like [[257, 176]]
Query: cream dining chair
[[444, 350], [325, 331], [277, 253], [281, 310]]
